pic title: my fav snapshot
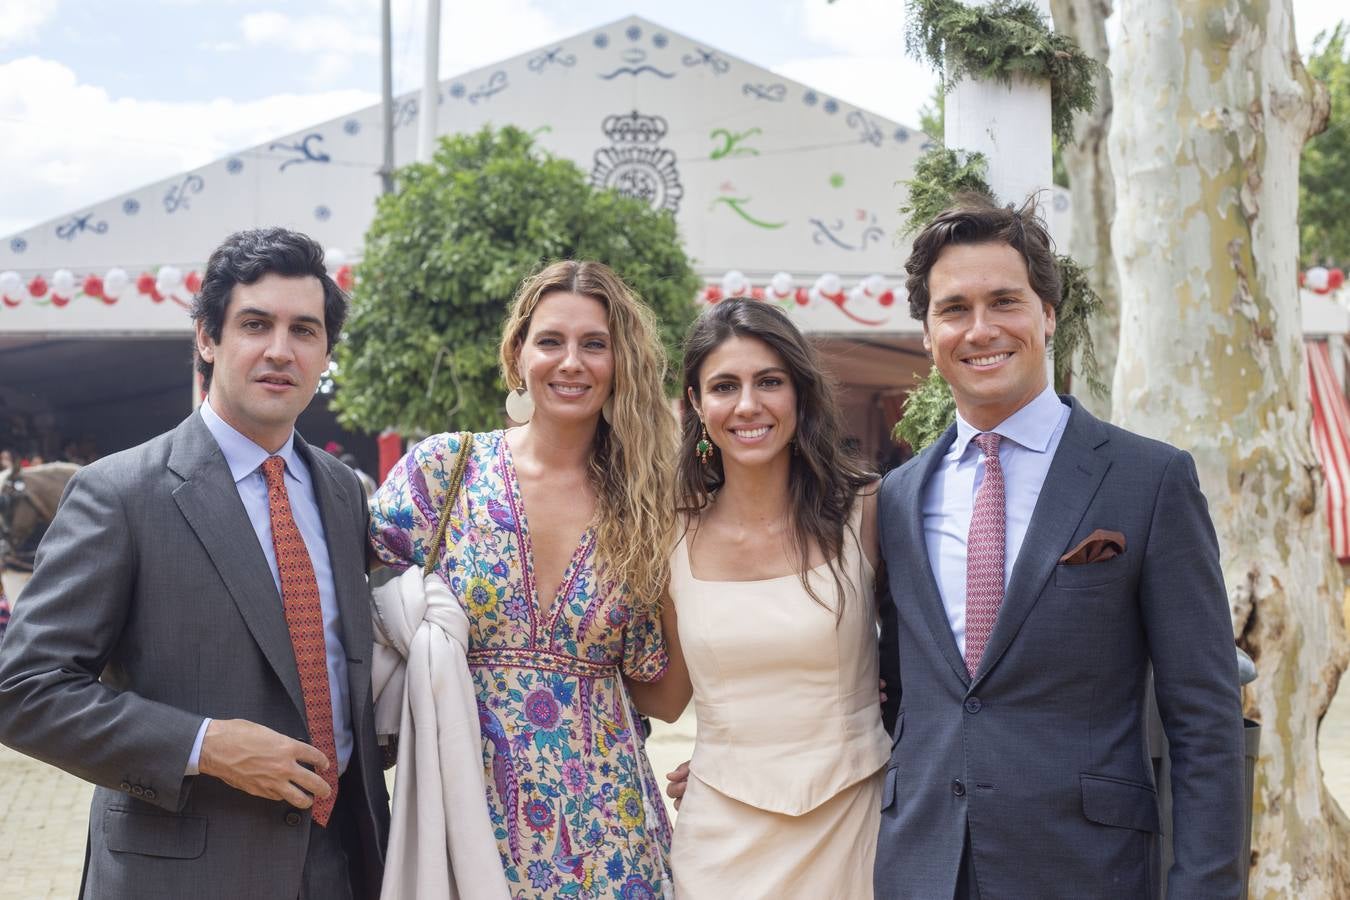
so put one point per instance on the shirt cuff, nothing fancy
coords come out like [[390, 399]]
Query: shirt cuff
[[195, 756]]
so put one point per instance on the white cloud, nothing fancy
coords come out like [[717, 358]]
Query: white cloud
[[309, 34], [867, 28], [20, 20], [76, 145]]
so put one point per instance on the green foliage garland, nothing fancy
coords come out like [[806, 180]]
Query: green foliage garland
[[929, 410], [442, 260], [997, 42], [939, 175]]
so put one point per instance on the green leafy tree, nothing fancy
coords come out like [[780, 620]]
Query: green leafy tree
[[443, 257], [1324, 186]]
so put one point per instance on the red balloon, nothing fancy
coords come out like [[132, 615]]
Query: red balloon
[[344, 278], [93, 287], [146, 283], [193, 282], [713, 293], [37, 287], [58, 301], [887, 298], [1335, 278]]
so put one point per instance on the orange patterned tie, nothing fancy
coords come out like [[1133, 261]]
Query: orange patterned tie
[[304, 617]]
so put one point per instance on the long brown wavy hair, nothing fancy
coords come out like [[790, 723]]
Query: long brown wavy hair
[[631, 465], [824, 478]]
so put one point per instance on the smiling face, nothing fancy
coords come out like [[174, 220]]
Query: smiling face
[[273, 348], [987, 330], [567, 358], [747, 401]]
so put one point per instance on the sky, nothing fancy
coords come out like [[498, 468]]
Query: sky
[[97, 98]]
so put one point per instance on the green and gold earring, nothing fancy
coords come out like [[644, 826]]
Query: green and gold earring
[[704, 447]]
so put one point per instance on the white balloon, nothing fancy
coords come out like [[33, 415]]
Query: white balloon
[[1317, 278], [115, 282], [829, 283], [168, 280], [63, 283], [874, 285], [333, 258], [734, 283], [11, 285], [781, 284]]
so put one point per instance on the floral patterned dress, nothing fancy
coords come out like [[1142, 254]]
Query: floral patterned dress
[[571, 795]]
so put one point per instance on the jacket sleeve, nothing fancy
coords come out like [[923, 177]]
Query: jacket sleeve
[[1190, 635], [66, 625], [888, 644]]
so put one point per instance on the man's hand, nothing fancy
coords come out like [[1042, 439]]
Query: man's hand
[[262, 762], [677, 782]]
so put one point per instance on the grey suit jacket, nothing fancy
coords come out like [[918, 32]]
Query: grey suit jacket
[[151, 606], [1040, 757]]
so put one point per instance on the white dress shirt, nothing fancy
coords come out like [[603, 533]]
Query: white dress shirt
[[245, 459], [1030, 437]]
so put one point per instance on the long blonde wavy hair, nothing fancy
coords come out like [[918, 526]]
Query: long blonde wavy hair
[[632, 464]]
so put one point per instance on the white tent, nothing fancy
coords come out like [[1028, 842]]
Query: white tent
[[778, 189]]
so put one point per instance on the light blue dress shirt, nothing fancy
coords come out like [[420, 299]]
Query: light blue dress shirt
[[245, 459], [1030, 437]]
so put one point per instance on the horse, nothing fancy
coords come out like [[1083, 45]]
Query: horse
[[28, 500]]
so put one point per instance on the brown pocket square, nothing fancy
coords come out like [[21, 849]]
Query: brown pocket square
[[1099, 546]]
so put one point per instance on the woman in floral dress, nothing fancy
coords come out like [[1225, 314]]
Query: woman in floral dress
[[550, 550]]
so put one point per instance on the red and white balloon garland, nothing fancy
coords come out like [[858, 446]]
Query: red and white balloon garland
[[1321, 280], [165, 283], [869, 302]]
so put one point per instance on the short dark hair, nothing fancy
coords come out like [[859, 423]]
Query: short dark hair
[[244, 258], [976, 219]]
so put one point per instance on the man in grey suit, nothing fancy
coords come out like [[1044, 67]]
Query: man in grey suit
[[1039, 562], [196, 637]]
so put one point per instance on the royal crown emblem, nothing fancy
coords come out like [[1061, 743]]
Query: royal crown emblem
[[634, 164]]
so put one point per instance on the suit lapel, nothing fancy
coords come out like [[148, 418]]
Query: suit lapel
[[914, 546], [210, 503], [1072, 481]]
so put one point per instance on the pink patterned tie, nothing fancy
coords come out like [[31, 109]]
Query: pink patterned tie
[[985, 554], [304, 617]]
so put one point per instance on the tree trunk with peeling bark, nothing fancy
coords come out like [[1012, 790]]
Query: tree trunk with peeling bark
[[1093, 189], [1212, 108]]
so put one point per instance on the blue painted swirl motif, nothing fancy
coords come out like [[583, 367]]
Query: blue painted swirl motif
[[636, 71], [774, 93], [495, 84], [871, 233], [131, 206], [701, 57], [405, 110], [870, 131], [177, 196], [77, 226], [351, 126], [18, 245], [304, 152], [554, 57]]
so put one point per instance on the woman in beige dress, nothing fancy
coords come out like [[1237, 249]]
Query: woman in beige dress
[[772, 586]]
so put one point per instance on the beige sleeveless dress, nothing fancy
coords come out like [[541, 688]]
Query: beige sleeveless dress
[[784, 797]]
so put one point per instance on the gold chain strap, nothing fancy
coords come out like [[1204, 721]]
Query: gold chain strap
[[456, 479]]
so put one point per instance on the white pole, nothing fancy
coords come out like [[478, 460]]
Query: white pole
[[1009, 124], [386, 99], [431, 80]]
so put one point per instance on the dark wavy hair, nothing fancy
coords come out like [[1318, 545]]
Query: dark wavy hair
[[244, 258], [824, 477], [975, 218]]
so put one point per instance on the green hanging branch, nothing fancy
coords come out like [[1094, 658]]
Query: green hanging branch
[[1078, 304], [1000, 41], [929, 410], [940, 175]]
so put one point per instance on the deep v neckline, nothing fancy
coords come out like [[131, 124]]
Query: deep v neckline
[[539, 615]]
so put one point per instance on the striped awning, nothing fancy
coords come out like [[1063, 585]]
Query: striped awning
[[1331, 441]]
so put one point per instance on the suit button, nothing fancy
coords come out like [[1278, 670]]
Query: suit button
[[958, 788], [137, 791], [292, 818], [973, 705], [125, 787], [150, 794]]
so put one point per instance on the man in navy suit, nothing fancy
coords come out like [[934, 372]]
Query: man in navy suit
[[1039, 562]]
